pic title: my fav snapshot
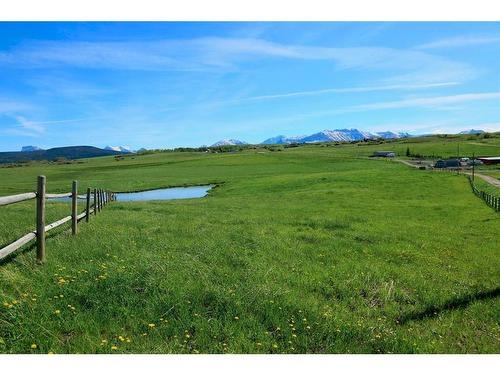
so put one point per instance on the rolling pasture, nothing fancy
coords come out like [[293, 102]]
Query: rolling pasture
[[311, 249]]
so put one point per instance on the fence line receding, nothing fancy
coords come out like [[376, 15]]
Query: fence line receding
[[99, 198], [490, 199]]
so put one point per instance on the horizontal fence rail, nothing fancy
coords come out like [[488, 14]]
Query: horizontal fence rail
[[490, 199], [98, 197], [16, 198]]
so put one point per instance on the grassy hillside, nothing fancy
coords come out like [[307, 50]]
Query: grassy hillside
[[70, 152], [311, 249]]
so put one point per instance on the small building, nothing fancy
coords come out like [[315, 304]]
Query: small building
[[451, 163], [384, 154], [490, 160]]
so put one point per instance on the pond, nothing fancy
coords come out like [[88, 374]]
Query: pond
[[153, 195], [165, 194]]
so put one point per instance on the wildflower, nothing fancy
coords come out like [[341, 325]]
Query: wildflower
[[188, 335], [151, 325], [114, 347], [57, 312], [121, 338], [128, 340], [236, 318], [144, 334], [259, 344], [104, 341], [14, 302], [34, 346], [50, 353], [275, 346], [6, 304], [308, 327]]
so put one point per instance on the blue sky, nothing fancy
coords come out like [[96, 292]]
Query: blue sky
[[170, 84]]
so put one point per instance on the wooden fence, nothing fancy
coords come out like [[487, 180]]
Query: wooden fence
[[490, 199], [99, 197]]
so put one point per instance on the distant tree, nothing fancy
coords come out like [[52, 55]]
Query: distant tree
[[408, 151]]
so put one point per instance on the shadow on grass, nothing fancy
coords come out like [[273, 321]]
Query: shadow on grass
[[457, 303]]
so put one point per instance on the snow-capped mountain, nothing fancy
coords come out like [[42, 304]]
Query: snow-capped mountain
[[337, 135], [30, 148], [228, 142], [124, 149], [391, 135], [281, 139], [472, 131]]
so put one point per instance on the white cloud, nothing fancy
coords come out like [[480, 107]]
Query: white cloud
[[460, 41], [344, 90], [221, 54], [435, 101]]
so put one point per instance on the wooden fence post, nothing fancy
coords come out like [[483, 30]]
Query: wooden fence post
[[99, 200], [40, 220], [95, 201], [74, 207], [87, 216]]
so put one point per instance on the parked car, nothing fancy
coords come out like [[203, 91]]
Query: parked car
[[474, 162]]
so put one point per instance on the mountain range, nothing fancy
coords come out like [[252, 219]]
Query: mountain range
[[228, 142], [123, 149], [472, 131], [337, 135]]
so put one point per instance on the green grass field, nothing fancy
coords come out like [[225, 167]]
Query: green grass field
[[307, 250]]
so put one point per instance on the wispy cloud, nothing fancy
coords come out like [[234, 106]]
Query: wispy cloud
[[221, 54], [460, 41], [9, 106], [435, 101], [343, 90], [24, 127]]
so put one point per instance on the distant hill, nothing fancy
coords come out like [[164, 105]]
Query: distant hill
[[70, 152], [228, 142], [337, 135]]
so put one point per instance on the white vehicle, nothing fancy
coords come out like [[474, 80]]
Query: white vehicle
[[474, 162]]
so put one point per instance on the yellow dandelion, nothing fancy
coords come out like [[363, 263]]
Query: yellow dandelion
[[121, 338], [151, 325], [34, 346], [308, 327], [128, 340], [57, 312], [50, 353], [188, 335], [259, 344], [275, 346], [6, 304], [294, 335], [236, 318], [114, 347], [104, 341]]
